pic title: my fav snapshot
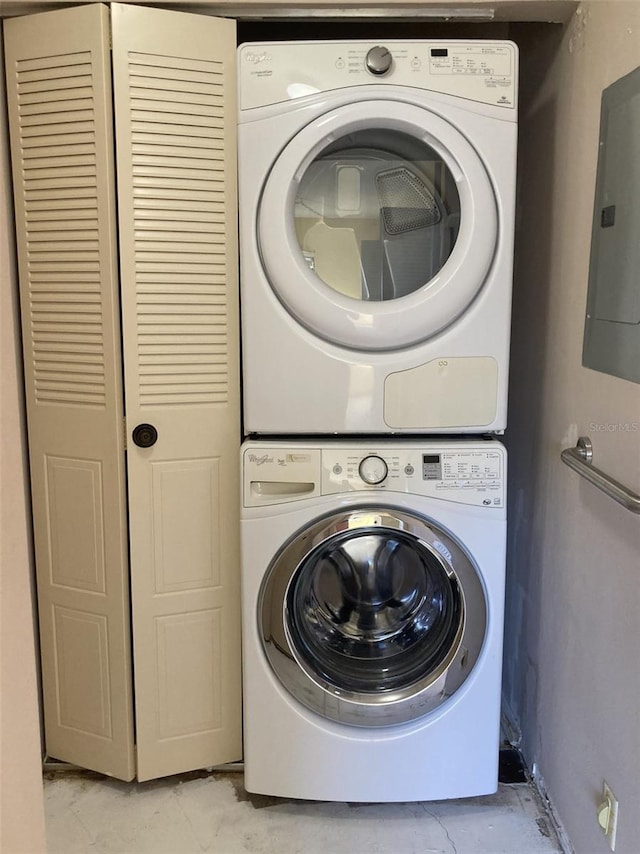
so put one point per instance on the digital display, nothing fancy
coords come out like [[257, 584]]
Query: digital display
[[430, 459], [439, 51]]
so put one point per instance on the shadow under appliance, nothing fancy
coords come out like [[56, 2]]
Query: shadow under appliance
[[376, 193], [373, 587]]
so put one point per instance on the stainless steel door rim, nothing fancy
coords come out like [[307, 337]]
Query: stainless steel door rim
[[372, 616]]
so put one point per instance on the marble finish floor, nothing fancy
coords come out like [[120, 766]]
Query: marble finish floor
[[211, 812]]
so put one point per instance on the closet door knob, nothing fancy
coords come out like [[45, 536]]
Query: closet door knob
[[145, 435]]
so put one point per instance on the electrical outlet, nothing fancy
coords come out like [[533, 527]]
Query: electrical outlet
[[608, 815]]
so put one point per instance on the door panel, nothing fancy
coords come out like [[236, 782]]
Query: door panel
[[174, 84], [59, 94]]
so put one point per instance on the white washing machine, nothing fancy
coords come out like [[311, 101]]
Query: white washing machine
[[372, 595], [376, 191]]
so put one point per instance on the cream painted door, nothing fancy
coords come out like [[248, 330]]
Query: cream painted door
[[59, 96], [174, 90], [175, 113]]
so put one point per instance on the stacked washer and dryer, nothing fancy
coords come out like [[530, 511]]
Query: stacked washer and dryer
[[377, 190]]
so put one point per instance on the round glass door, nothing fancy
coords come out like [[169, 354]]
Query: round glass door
[[377, 214], [372, 617], [374, 611], [377, 225]]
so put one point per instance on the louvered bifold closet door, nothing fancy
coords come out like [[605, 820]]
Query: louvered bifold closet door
[[59, 95], [175, 109]]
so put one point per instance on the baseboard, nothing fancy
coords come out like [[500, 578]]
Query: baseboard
[[512, 738], [541, 788]]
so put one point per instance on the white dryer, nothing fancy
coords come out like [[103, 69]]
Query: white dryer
[[376, 192], [372, 598]]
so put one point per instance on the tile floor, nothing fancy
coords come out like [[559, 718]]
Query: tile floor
[[211, 812]]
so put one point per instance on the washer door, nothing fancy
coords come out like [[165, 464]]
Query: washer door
[[372, 617], [377, 225]]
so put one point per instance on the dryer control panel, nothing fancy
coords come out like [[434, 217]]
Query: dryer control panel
[[466, 472], [481, 71]]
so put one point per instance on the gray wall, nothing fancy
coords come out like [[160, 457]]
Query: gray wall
[[572, 674]]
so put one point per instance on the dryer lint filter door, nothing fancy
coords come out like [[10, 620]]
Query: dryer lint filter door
[[442, 393]]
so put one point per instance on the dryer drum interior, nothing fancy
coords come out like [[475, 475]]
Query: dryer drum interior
[[372, 617], [377, 214]]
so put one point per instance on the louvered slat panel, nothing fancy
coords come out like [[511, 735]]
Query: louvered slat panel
[[178, 167], [174, 78], [59, 99], [58, 161]]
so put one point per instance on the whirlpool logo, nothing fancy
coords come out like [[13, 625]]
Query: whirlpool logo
[[257, 58], [259, 461]]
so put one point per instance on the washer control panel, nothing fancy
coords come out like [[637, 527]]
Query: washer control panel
[[469, 476], [468, 472]]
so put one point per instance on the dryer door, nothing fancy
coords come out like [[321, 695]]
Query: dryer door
[[372, 617], [377, 225]]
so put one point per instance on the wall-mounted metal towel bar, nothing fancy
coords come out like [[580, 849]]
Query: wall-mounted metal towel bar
[[580, 459]]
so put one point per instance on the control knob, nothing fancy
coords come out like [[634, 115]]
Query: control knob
[[373, 470], [378, 60]]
